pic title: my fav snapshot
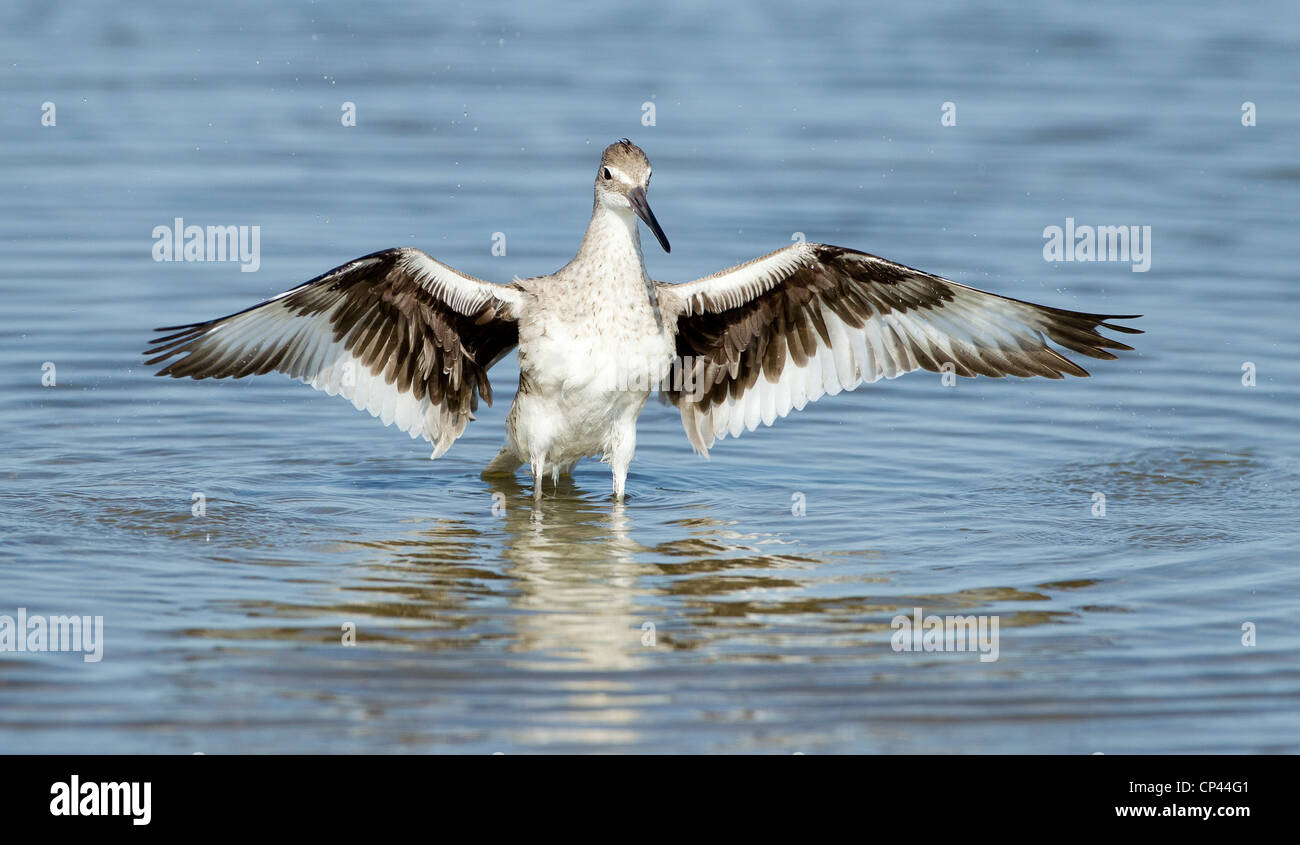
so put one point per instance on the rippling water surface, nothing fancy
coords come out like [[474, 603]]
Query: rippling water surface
[[507, 629]]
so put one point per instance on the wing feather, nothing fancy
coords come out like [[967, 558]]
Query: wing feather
[[402, 336], [766, 337]]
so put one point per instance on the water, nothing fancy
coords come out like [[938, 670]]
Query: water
[[478, 632]]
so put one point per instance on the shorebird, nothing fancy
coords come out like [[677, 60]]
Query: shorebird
[[411, 340]]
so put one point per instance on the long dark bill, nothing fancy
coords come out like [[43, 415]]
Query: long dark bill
[[642, 209]]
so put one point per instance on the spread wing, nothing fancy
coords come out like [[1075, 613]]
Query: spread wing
[[405, 337], [769, 336]]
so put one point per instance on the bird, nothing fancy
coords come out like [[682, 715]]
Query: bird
[[411, 340]]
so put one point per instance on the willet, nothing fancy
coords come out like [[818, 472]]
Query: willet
[[411, 340]]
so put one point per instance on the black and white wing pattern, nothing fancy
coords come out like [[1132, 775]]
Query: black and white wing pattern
[[759, 340], [404, 337]]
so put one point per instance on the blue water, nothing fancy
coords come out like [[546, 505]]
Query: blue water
[[480, 632]]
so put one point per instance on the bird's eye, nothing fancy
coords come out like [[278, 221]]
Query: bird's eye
[[604, 171]]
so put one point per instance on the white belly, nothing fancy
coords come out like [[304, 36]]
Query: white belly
[[581, 391]]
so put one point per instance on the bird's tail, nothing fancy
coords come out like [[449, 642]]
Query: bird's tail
[[505, 463]]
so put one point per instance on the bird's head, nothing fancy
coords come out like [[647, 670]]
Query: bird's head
[[621, 184]]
